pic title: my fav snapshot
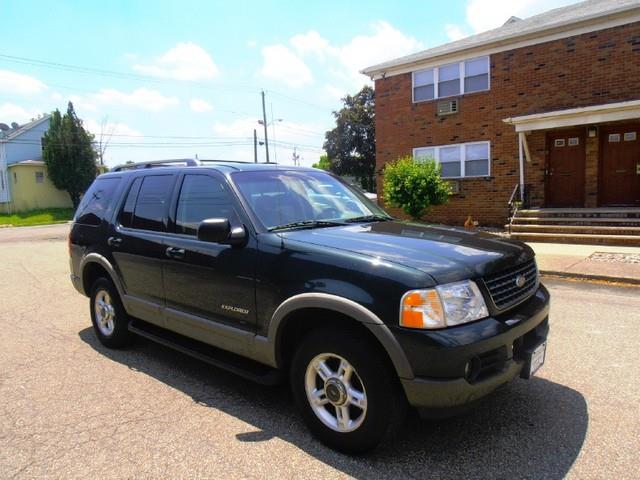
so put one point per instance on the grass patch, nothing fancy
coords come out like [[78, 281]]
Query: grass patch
[[45, 216]]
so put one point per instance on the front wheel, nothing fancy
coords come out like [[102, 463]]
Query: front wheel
[[346, 390]]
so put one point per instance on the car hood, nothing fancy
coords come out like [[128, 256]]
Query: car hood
[[447, 254]]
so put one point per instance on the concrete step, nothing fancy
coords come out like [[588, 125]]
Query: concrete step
[[622, 222], [587, 239], [577, 229], [617, 212]]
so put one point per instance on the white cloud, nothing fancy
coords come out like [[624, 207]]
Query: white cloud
[[334, 93], [311, 42], [382, 43], [199, 105], [10, 112], [280, 63], [237, 129], [141, 98], [308, 137], [12, 82], [110, 128], [186, 61], [252, 43], [454, 32], [481, 14]]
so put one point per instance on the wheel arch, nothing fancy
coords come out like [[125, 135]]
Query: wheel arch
[[300, 314], [94, 266]]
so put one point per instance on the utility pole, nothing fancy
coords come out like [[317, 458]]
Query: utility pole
[[264, 121], [296, 157], [255, 146]]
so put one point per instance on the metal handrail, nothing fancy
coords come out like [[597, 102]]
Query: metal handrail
[[513, 206]]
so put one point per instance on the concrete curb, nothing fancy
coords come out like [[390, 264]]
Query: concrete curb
[[586, 276]]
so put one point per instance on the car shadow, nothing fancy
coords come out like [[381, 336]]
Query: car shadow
[[527, 429]]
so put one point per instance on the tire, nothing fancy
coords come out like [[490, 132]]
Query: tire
[[110, 321], [352, 413]]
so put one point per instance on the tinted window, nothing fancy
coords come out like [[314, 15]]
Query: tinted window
[[126, 215], [202, 197], [151, 205], [95, 202]]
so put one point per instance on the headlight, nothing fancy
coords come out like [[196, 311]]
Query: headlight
[[443, 306]]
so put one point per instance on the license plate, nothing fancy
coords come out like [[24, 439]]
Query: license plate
[[537, 358]]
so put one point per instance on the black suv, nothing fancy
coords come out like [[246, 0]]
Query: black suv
[[272, 271]]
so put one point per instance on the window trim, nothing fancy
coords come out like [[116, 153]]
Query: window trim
[[174, 205], [436, 79], [36, 177], [463, 157]]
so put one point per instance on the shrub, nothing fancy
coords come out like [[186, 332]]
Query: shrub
[[414, 186]]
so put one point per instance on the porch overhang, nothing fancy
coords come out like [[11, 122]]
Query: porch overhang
[[610, 112]]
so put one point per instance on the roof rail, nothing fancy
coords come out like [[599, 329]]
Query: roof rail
[[186, 162]]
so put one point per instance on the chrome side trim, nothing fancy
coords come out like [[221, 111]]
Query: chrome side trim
[[346, 307]]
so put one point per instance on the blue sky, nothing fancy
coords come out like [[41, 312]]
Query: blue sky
[[182, 78]]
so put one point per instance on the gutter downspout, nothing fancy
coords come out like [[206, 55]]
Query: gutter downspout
[[521, 141]]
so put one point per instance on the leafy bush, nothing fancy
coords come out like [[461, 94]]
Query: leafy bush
[[414, 186]]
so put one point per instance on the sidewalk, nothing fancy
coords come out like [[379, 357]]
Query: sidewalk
[[592, 262]]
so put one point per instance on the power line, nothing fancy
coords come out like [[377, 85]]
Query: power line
[[147, 78]]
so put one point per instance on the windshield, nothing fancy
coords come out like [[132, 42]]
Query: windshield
[[290, 198]]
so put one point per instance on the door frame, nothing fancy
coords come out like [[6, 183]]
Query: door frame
[[601, 141], [575, 132]]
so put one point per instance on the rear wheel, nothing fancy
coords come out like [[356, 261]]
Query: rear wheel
[[347, 392], [110, 321]]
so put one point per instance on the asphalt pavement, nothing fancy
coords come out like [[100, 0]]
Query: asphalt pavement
[[73, 409]]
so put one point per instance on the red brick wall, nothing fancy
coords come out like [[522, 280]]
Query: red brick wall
[[590, 69]]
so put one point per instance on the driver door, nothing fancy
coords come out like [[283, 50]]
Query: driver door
[[207, 285]]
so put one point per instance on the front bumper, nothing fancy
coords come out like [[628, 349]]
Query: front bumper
[[456, 366], [77, 283]]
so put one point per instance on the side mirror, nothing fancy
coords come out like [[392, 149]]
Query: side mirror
[[218, 230]]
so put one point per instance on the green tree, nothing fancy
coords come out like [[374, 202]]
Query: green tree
[[351, 145], [69, 155], [414, 186], [324, 163]]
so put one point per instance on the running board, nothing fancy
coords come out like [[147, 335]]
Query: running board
[[242, 366]]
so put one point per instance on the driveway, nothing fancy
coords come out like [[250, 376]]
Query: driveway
[[73, 409]]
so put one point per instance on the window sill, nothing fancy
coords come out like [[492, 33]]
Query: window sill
[[461, 95]]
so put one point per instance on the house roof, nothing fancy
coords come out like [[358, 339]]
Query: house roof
[[561, 22], [32, 163], [576, 116], [16, 132]]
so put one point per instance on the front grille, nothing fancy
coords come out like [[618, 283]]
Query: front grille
[[503, 289]]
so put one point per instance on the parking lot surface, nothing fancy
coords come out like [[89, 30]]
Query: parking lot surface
[[73, 409]]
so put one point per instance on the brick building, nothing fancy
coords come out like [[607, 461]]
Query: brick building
[[546, 109]]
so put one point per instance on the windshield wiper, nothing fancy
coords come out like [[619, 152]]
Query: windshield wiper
[[369, 218], [307, 224]]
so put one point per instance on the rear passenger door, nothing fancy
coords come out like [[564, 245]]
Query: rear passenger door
[[208, 284], [136, 242]]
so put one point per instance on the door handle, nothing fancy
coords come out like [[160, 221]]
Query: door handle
[[114, 241], [174, 252]]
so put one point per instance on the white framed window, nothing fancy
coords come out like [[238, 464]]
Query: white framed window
[[450, 80], [39, 177], [462, 160]]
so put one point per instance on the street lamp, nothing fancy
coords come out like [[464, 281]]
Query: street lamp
[[273, 131]]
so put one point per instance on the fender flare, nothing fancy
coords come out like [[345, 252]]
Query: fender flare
[[104, 263], [346, 307]]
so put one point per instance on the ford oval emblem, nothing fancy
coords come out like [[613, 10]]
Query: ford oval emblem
[[520, 281]]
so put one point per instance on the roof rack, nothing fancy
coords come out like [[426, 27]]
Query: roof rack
[[186, 162]]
